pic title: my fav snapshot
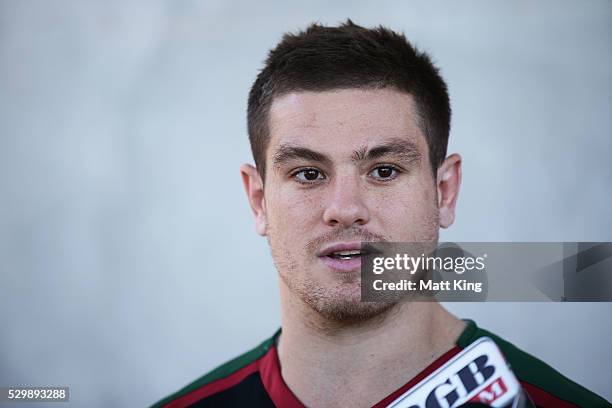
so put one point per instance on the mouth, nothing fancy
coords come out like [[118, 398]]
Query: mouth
[[344, 257]]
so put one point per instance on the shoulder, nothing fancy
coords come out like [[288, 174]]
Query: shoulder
[[545, 385], [225, 377]]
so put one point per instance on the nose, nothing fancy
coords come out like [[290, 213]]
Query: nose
[[345, 206]]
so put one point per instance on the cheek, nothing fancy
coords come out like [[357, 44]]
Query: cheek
[[407, 214], [291, 221], [290, 217], [290, 208]]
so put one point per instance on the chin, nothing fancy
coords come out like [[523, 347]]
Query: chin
[[342, 303], [352, 312]]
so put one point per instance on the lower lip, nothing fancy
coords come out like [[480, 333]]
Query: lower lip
[[342, 265]]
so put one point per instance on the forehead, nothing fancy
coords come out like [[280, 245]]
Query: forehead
[[343, 119]]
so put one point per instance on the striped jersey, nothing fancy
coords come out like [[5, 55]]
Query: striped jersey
[[254, 380]]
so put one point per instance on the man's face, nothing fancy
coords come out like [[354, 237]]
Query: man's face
[[343, 167]]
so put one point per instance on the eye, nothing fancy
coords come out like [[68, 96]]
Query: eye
[[308, 175], [384, 173]]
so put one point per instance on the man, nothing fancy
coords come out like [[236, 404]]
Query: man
[[349, 128]]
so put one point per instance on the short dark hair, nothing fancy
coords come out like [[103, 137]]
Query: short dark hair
[[323, 58]]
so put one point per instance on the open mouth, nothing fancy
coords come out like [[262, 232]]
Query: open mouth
[[345, 255]]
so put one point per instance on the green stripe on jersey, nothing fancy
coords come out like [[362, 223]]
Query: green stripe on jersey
[[223, 370]]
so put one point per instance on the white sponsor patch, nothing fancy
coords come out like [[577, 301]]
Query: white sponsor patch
[[478, 374]]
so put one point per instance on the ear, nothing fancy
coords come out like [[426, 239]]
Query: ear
[[253, 185], [448, 184]]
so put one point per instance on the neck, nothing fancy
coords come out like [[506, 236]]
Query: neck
[[333, 364]]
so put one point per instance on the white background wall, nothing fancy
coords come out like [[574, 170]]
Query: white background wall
[[128, 259]]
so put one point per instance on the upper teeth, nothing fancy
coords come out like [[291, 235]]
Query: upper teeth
[[348, 253]]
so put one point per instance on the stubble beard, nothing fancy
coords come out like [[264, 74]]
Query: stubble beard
[[339, 303]]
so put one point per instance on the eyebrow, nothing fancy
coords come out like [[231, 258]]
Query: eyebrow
[[401, 148], [286, 153]]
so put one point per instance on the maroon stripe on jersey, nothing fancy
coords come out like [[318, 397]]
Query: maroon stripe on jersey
[[214, 387], [545, 399], [274, 384], [269, 369], [420, 376]]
